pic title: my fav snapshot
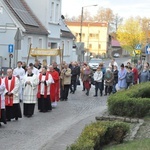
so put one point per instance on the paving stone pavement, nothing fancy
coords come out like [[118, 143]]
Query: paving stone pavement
[[53, 130]]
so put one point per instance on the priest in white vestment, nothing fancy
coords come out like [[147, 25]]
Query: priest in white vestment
[[13, 110], [45, 80], [2, 102], [19, 72], [34, 70], [30, 84]]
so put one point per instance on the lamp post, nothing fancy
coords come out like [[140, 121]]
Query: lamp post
[[82, 20]]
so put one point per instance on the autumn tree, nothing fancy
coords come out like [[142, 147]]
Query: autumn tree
[[145, 23], [130, 34]]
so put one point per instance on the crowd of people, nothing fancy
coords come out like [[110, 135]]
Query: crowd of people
[[108, 80], [46, 85]]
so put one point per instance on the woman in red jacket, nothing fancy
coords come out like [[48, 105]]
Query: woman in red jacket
[[135, 73]]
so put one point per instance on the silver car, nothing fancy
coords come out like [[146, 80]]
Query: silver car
[[94, 63], [116, 55]]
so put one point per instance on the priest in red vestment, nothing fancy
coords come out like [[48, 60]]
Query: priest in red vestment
[[13, 110], [54, 90]]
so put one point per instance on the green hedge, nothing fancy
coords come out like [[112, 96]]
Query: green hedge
[[97, 134], [134, 102]]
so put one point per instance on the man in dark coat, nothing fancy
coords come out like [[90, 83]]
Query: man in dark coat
[[74, 73]]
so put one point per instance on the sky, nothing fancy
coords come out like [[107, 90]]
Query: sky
[[124, 8]]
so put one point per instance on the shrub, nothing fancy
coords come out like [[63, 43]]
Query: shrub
[[97, 134], [134, 102]]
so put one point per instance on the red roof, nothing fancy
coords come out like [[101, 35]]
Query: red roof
[[115, 43]]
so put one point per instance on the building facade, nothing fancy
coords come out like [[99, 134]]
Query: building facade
[[39, 23], [14, 15], [94, 35], [49, 13]]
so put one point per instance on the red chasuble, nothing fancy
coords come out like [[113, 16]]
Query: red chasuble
[[9, 98], [54, 88]]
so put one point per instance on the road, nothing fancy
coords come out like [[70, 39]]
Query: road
[[118, 60], [57, 129]]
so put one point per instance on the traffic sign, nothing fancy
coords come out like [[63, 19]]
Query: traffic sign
[[18, 38], [147, 49], [138, 46], [10, 55], [138, 52], [10, 48]]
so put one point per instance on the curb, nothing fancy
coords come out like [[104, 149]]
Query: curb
[[137, 121]]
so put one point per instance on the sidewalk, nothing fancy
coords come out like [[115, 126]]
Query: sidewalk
[[61, 141]]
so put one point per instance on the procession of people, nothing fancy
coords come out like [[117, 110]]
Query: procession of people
[[47, 85]]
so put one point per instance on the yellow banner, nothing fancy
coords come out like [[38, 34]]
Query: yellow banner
[[44, 52]]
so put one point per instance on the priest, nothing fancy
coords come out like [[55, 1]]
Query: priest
[[13, 110], [54, 89], [19, 72], [30, 83], [45, 80], [2, 103]]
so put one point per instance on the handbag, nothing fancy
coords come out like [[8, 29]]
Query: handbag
[[78, 82], [92, 81]]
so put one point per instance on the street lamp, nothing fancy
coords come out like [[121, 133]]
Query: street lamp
[[82, 20]]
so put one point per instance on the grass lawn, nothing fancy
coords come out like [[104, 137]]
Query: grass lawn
[[132, 145]]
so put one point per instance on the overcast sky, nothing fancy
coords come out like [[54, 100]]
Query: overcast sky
[[125, 8]]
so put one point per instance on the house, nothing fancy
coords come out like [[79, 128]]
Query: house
[[67, 38], [115, 47], [14, 15], [38, 24], [49, 13], [94, 36]]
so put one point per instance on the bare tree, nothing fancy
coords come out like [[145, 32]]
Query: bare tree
[[104, 15], [86, 17], [117, 21]]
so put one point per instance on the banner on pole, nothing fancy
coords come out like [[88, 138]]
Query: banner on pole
[[45, 52]]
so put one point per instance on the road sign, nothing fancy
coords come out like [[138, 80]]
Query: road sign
[[18, 38], [138, 52], [79, 47], [10, 48], [147, 49], [138, 46]]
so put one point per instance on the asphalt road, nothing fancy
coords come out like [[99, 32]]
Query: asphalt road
[[57, 129], [118, 60]]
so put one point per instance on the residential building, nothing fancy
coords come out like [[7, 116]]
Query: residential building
[[39, 23], [67, 39], [94, 35], [115, 47], [49, 13], [14, 15]]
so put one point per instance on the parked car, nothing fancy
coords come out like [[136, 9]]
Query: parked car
[[116, 55], [94, 63]]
